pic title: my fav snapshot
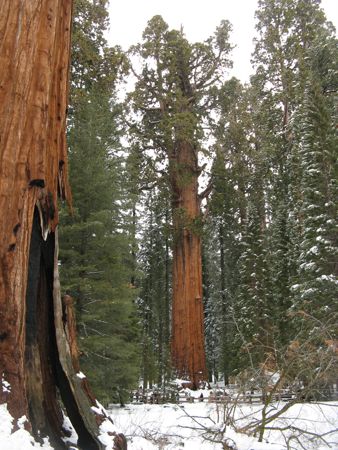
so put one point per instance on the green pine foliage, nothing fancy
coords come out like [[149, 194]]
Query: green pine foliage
[[155, 291], [95, 247], [253, 309], [317, 289], [222, 243], [272, 212]]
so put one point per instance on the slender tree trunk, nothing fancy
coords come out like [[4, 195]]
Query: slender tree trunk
[[164, 325], [133, 247], [187, 346], [224, 308]]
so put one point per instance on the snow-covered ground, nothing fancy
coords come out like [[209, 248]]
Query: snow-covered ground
[[200, 426], [194, 426], [21, 439]]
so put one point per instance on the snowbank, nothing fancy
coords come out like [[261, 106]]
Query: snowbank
[[199, 426], [20, 439]]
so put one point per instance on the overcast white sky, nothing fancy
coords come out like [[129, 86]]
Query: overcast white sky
[[199, 19]]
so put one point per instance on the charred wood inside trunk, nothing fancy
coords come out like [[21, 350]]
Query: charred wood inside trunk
[[47, 384]]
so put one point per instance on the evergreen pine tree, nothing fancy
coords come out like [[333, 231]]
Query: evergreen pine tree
[[95, 256], [287, 30], [316, 142], [154, 297]]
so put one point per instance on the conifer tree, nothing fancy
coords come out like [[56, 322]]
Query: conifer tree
[[264, 136], [281, 58], [172, 95], [95, 254], [154, 297], [316, 143], [227, 207]]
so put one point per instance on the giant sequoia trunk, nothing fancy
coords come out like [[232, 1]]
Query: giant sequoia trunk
[[36, 338], [187, 345]]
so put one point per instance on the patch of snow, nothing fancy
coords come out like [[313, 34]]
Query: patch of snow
[[81, 375], [67, 426], [294, 287], [308, 266], [309, 291], [6, 387], [179, 381], [95, 410], [6, 420], [101, 408], [330, 278], [314, 250], [322, 240], [107, 431], [21, 422], [20, 439]]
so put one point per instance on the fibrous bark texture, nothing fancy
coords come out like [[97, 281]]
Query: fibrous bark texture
[[36, 341], [35, 39], [187, 345]]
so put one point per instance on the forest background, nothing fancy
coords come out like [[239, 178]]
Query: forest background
[[269, 215]]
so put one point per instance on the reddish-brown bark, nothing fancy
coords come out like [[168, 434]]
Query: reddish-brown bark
[[35, 39], [187, 345], [37, 344]]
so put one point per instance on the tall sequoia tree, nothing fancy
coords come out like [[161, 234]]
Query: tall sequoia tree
[[172, 96], [38, 361]]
